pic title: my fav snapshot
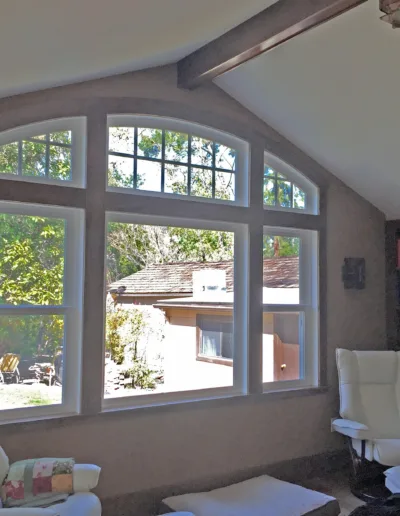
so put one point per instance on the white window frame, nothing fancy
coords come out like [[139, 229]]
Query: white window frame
[[293, 175], [240, 315], [171, 124], [77, 125], [71, 309], [308, 307]]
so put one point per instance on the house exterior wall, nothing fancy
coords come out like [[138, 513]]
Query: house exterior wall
[[172, 445], [182, 370]]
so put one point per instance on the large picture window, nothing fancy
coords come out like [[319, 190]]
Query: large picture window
[[182, 298], [155, 308], [47, 152], [285, 189], [290, 300], [40, 308], [170, 157]]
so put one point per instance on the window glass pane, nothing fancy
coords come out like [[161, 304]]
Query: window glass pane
[[121, 139], [270, 192], [225, 157], [9, 159], [202, 151], [224, 186], [31, 360], [149, 143], [157, 277], [120, 171], [31, 260], [285, 194], [281, 270], [59, 163], [176, 179], [281, 346], [33, 159], [61, 137], [176, 146], [269, 172], [299, 198], [148, 175], [201, 182]]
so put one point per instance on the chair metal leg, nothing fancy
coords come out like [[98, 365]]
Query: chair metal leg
[[367, 481]]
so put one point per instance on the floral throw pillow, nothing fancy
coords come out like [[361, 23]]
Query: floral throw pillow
[[38, 482]]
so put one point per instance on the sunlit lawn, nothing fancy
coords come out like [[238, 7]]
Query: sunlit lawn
[[25, 395]]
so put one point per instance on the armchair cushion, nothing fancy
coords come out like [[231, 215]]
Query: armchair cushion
[[38, 482], [393, 479], [262, 496]]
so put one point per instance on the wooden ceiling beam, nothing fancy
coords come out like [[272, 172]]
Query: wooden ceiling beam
[[271, 27]]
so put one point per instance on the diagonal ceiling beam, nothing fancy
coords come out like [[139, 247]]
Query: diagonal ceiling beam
[[278, 23]]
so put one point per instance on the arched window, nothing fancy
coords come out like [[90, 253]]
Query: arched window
[[286, 189], [48, 152], [166, 156]]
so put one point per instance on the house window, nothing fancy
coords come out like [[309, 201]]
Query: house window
[[48, 152], [146, 154], [156, 343], [290, 300], [40, 309], [182, 284], [286, 189], [215, 339]]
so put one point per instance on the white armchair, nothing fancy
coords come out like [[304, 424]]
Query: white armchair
[[81, 503], [369, 388]]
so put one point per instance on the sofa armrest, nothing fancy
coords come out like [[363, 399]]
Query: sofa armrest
[[351, 429], [85, 477], [29, 511]]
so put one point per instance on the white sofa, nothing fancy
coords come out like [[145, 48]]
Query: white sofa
[[369, 387], [81, 503]]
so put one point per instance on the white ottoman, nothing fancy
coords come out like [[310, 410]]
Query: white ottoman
[[392, 481], [261, 496]]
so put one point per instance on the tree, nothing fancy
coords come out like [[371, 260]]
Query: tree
[[32, 251], [38, 156], [278, 246]]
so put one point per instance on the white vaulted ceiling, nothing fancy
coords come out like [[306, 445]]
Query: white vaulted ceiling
[[334, 92], [51, 42]]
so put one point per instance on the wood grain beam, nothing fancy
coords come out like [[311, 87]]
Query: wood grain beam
[[271, 27]]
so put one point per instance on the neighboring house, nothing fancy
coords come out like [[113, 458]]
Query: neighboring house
[[197, 299]]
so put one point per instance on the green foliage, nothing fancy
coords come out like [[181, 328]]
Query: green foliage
[[123, 330], [38, 156], [31, 272], [116, 317], [141, 375], [278, 191], [132, 247], [278, 246]]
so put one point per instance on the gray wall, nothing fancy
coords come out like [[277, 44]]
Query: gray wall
[[150, 448]]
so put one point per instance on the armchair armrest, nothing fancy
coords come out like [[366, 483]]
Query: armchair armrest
[[85, 477], [352, 429]]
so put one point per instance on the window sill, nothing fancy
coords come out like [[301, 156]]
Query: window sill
[[66, 419]]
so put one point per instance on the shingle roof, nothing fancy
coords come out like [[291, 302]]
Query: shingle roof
[[177, 278]]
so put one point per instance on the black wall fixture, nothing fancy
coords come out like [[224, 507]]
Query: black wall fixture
[[353, 273]]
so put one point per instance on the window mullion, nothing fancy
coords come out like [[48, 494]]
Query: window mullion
[[254, 285], [95, 246]]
